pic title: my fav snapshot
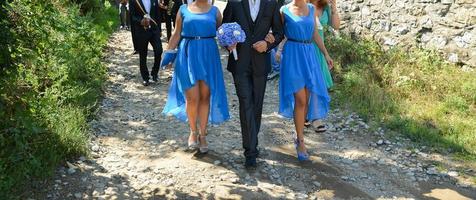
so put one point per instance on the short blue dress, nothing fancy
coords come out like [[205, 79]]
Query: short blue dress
[[300, 67], [198, 59]]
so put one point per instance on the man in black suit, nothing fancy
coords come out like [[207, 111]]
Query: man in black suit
[[256, 18], [146, 17]]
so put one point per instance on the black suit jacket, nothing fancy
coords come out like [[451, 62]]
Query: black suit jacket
[[176, 7], [268, 19], [137, 14]]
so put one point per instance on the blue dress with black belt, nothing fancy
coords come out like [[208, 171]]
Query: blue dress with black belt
[[300, 67], [198, 59]]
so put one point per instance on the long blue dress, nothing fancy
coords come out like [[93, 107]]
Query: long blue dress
[[198, 59], [300, 67], [325, 21]]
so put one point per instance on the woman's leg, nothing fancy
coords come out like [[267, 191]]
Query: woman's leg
[[301, 99], [204, 106], [192, 100]]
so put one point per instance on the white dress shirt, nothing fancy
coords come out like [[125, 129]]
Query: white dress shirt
[[147, 5], [254, 8]]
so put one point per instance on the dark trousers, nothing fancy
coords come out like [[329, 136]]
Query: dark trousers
[[124, 15], [134, 37], [144, 37], [168, 23], [250, 90]]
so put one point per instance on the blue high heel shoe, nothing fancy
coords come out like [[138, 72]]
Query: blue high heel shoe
[[302, 156]]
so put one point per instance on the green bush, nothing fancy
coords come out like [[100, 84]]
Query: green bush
[[412, 91], [5, 36], [49, 85]]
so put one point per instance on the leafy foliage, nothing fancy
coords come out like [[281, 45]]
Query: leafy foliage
[[49, 86], [411, 91]]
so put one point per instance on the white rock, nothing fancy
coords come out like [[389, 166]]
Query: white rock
[[432, 171], [95, 148], [453, 174], [317, 184], [78, 195], [71, 171]]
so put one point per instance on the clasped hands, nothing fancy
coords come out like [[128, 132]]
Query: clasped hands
[[145, 22]]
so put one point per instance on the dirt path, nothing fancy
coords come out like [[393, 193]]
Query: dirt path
[[140, 154]]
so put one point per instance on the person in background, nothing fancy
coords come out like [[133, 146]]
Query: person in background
[[175, 9], [124, 14], [275, 63], [328, 16], [166, 10], [146, 15], [275, 54]]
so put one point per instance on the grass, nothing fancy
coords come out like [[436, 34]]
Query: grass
[[411, 91], [50, 86]]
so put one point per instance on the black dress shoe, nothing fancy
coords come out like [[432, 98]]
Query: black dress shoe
[[155, 79], [135, 52], [146, 83], [250, 162]]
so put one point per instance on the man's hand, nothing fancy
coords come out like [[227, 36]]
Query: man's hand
[[270, 38], [260, 46], [231, 47], [145, 22]]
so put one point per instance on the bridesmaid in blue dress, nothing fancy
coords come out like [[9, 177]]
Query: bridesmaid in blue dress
[[197, 91], [302, 88]]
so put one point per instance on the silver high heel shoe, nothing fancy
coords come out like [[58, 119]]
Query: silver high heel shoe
[[192, 145], [203, 138]]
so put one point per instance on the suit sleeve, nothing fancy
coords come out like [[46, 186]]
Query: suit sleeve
[[135, 16], [227, 14], [277, 27]]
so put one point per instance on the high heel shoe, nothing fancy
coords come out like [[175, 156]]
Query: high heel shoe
[[192, 145], [302, 156], [203, 148]]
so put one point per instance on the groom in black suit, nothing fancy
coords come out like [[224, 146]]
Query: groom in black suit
[[146, 30], [256, 18]]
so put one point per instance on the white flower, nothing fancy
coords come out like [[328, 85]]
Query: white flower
[[220, 31], [236, 33]]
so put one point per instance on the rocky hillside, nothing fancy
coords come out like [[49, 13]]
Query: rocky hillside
[[448, 26]]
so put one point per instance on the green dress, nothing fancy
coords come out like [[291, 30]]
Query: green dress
[[325, 20]]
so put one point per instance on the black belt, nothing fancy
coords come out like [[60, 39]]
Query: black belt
[[188, 38], [197, 37], [300, 41]]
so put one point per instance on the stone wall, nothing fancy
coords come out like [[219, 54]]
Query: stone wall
[[448, 26]]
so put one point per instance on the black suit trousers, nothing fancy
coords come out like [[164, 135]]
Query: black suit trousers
[[143, 38], [250, 89]]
